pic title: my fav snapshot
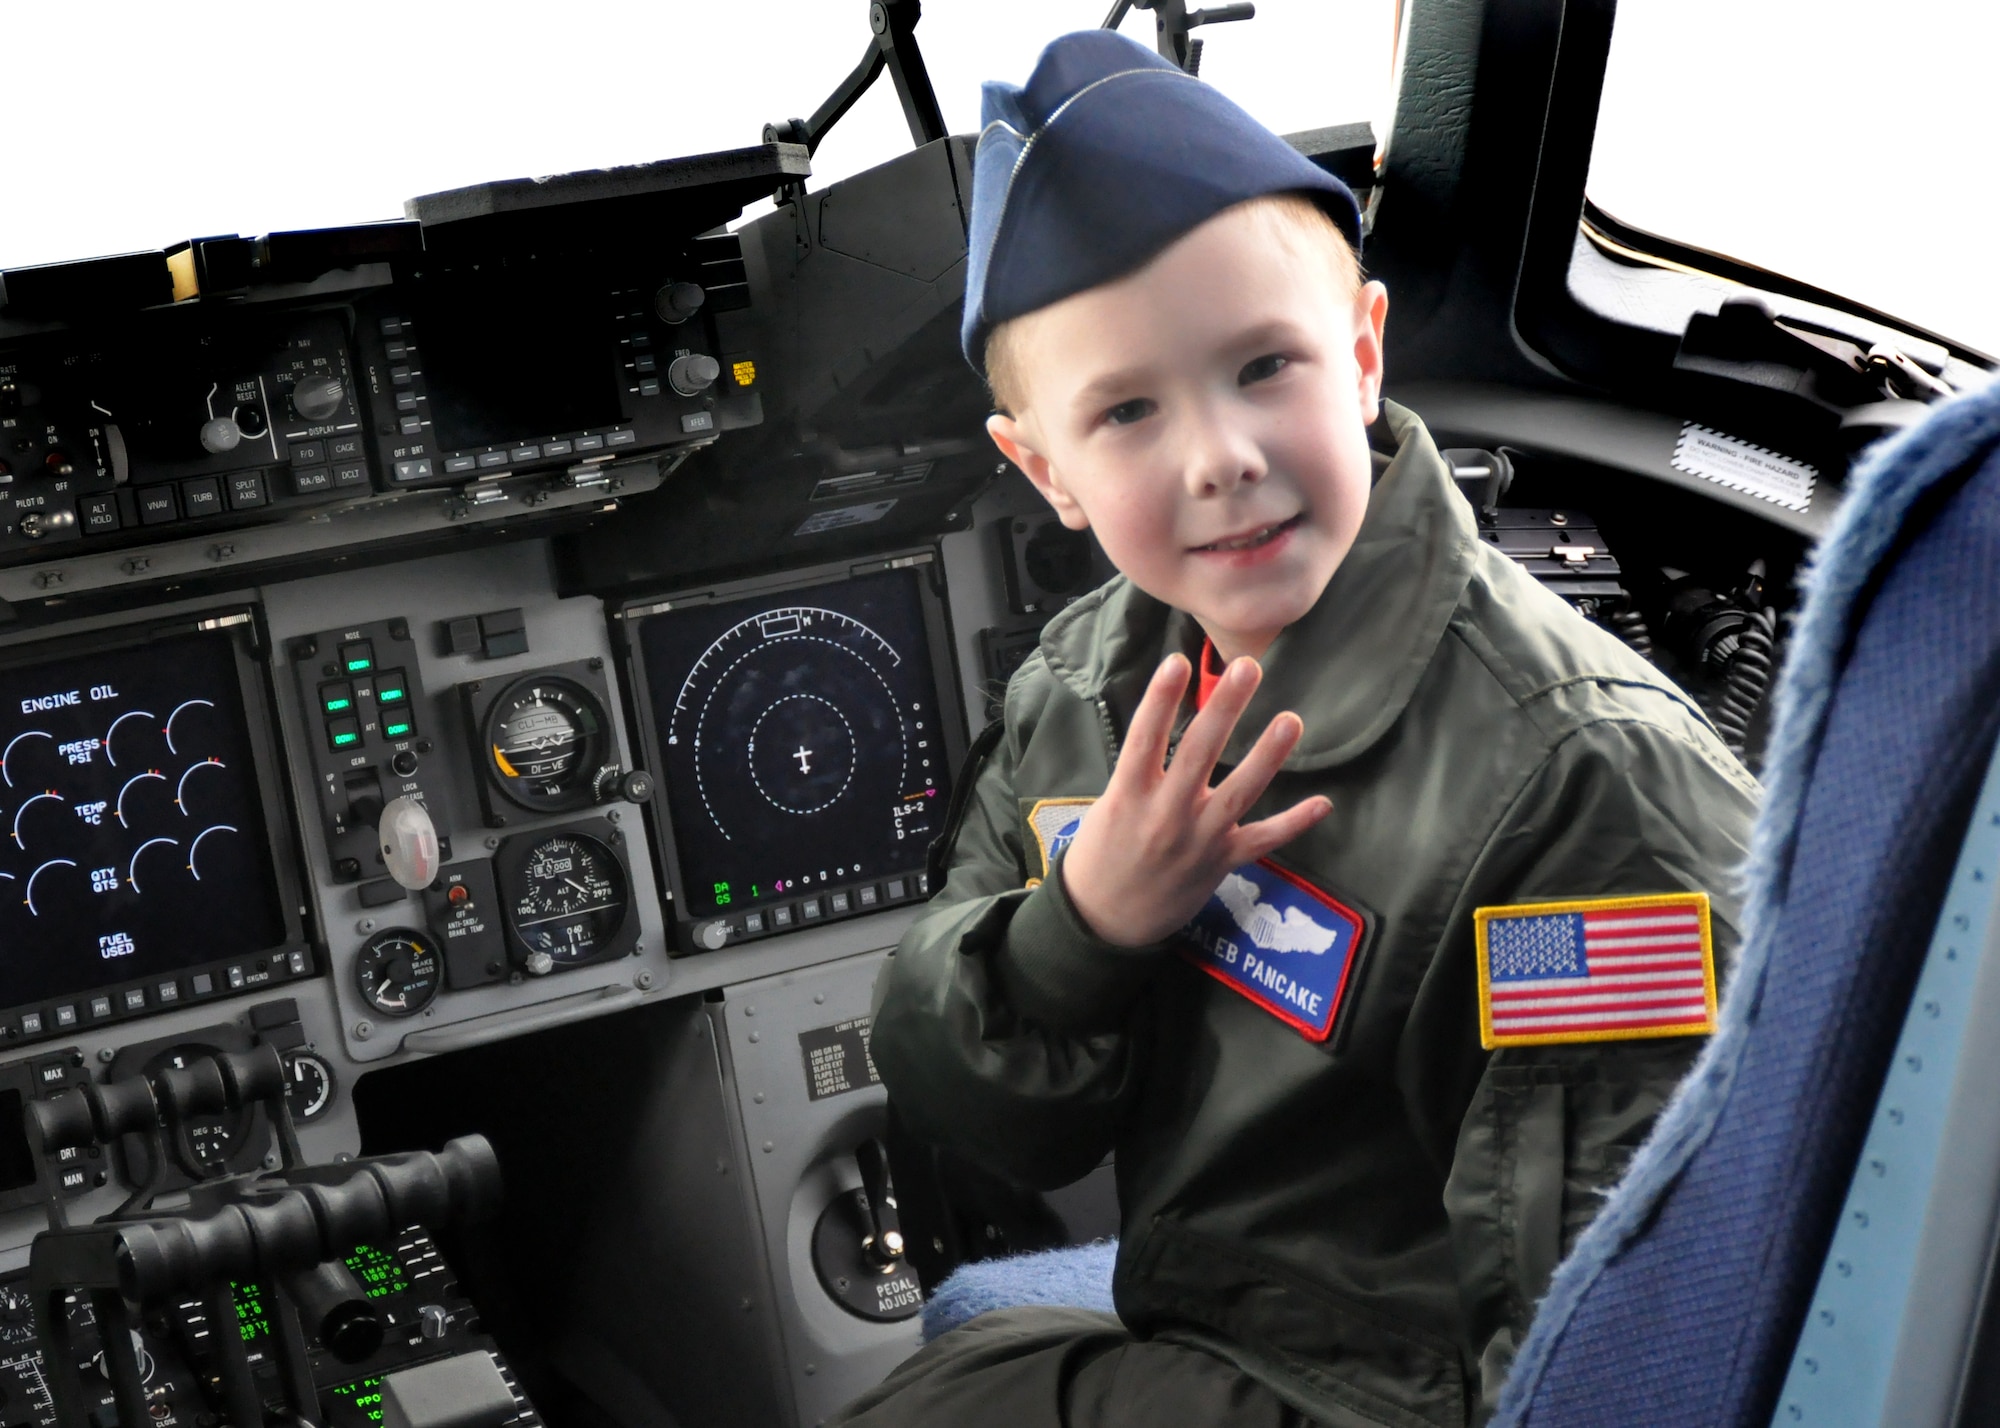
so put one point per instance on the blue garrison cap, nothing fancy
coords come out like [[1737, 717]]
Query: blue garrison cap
[[1104, 157]]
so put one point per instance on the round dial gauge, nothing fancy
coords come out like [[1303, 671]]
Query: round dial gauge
[[565, 899], [398, 971], [545, 740], [308, 1084]]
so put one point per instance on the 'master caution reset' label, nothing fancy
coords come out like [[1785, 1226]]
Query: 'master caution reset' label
[[1280, 941]]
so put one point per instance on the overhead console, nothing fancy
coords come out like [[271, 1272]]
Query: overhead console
[[140, 796], [525, 351]]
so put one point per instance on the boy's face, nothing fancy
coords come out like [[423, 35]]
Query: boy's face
[[1206, 416]]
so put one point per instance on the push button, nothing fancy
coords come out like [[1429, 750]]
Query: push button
[[839, 901], [357, 656], [343, 734], [398, 725], [781, 917], [869, 896], [313, 482], [201, 497], [809, 909], [99, 513], [343, 448], [156, 506], [308, 453], [390, 688], [100, 1007], [246, 493], [336, 698], [350, 475], [135, 999]]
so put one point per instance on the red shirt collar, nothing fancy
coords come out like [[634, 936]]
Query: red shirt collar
[[1208, 673]]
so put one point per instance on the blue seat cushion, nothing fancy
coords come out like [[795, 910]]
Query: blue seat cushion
[[1076, 1277]]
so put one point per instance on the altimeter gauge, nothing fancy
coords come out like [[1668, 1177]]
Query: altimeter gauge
[[566, 898]]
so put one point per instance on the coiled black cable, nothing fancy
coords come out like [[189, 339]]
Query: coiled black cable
[[1630, 626], [1745, 659]]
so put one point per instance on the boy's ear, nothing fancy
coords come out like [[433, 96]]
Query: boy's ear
[[1014, 444], [1371, 312]]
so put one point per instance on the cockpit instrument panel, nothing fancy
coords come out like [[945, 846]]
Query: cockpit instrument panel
[[140, 866], [807, 742]]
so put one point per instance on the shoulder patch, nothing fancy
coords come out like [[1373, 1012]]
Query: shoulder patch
[[1274, 937], [1598, 969], [1054, 822]]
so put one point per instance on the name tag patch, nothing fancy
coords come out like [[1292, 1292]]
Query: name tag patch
[[1278, 940], [1054, 822], [1601, 969]]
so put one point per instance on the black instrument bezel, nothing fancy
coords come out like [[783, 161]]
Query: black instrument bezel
[[626, 617], [509, 866], [291, 959]]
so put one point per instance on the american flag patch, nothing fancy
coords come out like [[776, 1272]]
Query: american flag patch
[[1606, 969]]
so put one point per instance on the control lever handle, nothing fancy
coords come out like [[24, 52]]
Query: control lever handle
[[93, 1114], [884, 1244]]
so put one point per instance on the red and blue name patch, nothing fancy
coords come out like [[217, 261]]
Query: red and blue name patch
[[1274, 937]]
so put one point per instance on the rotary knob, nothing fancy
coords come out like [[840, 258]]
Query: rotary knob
[[693, 374], [540, 964], [220, 434], [677, 302], [317, 398]]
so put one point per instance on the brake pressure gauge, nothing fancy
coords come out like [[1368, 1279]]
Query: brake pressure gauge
[[398, 971]]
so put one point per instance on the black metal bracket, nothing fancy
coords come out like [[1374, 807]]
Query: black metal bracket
[[894, 48], [1171, 22]]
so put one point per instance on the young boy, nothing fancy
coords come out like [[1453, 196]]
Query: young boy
[[1261, 937]]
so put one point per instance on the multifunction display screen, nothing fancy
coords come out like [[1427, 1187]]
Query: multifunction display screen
[[801, 736], [504, 363], [132, 838]]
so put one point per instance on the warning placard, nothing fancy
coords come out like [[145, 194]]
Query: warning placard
[[837, 1059]]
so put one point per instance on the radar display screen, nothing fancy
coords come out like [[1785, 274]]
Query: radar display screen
[[802, 738], [132, 837]]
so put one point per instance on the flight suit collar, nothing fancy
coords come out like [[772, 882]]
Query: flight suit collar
[[1350, 665]]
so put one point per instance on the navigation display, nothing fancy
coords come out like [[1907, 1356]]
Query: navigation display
[[132, 837], [803, 742]]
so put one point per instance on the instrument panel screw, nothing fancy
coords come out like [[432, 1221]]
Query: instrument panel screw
[[644, 981], [365, 926], [492, 842], [105, 1053], [363, 1030]]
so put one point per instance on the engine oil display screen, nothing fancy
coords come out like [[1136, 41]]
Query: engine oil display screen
[[801, 738], [132, 838]]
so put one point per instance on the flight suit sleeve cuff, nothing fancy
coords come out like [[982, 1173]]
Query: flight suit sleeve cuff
[[1058, 972]]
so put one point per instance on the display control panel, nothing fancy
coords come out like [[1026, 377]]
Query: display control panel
[[365, 708], [805, 742], [173, 430]]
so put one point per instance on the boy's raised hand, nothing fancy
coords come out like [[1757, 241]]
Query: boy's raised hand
[[1160, 840]]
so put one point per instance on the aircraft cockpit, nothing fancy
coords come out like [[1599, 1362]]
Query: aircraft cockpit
[[485, 661]]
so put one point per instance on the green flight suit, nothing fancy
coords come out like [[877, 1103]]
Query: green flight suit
[[1355, 1231]]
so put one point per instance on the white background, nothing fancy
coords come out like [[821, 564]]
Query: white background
[[1849, 143]]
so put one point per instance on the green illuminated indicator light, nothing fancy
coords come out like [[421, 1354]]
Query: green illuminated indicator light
[[356, 666], [396, 731], [380, 1274], [252, 1322], [389, 696], [341, 741], [339, 706]]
